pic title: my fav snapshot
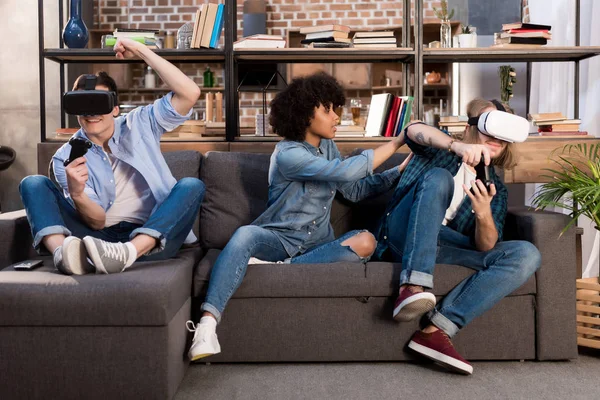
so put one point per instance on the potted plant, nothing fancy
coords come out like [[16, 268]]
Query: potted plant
[[574, 184], [445, 17], [467, 36]]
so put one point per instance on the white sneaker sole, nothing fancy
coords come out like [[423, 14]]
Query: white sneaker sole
[[202, 352], [414, 307], [74, 257], [442, 359]]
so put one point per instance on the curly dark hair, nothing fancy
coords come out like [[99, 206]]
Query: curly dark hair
[[293, 108]]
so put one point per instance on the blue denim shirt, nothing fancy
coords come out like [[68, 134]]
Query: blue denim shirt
[[136, 141], [303, 181]]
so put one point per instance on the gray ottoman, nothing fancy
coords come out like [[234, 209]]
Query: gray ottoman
[[116, 336]]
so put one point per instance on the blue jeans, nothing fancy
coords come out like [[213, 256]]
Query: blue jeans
[[417, 238], [50, 213], [253, 241]]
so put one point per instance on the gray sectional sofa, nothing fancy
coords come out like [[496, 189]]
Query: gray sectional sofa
[[124, 337]]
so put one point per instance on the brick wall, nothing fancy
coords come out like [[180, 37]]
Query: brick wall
[[282, 15]]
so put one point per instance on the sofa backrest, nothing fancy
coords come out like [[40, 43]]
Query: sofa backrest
[[237, 193]]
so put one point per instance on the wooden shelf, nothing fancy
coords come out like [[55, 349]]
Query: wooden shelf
[[349, 55], [108, 55], [504, 54]]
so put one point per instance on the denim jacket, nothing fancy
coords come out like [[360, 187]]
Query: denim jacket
[[303, 181]]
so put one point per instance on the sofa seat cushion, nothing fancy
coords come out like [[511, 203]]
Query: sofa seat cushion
[[376, 279], [148, 294]]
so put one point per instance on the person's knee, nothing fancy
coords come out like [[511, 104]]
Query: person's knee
[[244, 235], [33, 183], [364, 244], [194, 186], [440, 180], [527, 259]]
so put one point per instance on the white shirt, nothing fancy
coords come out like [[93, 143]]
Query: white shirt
[[134, 201], [464, 175]]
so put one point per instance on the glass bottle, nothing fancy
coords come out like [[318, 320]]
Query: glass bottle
[[208, 78], [445, 34], [75, 34], [149, 79]]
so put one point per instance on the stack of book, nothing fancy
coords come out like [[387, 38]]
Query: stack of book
[[326, 36], [260, 41], [388, 114], [208, 26], [556, 124], [374, 39], [455, 125], [144, 36], [523, 35]]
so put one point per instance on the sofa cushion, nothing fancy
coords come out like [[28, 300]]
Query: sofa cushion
[[149, 294], [344, 279]]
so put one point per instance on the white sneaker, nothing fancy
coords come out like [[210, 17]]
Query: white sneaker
[[205, 341]]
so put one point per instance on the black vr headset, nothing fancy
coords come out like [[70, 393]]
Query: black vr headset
[[89, 101]]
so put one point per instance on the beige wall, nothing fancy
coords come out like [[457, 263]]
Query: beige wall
[[19, 88]]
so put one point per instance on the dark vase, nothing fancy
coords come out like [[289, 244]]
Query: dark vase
[[75, 34]]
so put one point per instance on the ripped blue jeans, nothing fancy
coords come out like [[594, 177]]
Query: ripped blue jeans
[[253, 241]]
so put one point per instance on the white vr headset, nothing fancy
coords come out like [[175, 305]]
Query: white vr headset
[[502, 125]]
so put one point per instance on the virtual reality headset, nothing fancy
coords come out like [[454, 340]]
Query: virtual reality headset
[[89, 101], [502, 125]]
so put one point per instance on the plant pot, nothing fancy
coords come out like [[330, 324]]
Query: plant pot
[[467, 40], [75, 35]]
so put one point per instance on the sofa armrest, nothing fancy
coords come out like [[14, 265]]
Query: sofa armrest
[[15, 238], [555, 280]]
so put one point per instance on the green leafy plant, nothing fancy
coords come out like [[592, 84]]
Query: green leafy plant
[[466, 29], [508, 77], [442, 12], [574, 184]]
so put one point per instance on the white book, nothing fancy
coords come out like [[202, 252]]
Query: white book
[[374, 40], [377, 114], [259, 44], [371, 34]]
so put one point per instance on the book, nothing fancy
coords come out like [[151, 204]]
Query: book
[[371, 34], [326, 34], [378, 112], [216, 33], [523, 40], [532, 34], [522, 25], [260, 42], [409, 100], [211, 16], [553, 116], [321, 28], [393, 117], [572, 133], [326, 40], [374, 40], [565, 128], [201, 21], [562, 121], [375, 45], [328, 45], [129, 33], [196, 23]]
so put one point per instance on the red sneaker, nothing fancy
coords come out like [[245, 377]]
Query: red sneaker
[[410, 306], [438, 347]]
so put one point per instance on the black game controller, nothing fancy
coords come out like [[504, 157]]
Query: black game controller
[[79, 147], [483, 174]]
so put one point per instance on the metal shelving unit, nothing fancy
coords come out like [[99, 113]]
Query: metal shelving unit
[[411, 53]]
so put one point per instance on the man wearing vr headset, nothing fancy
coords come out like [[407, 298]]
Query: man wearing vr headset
[[121, 197], [440, 213]]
